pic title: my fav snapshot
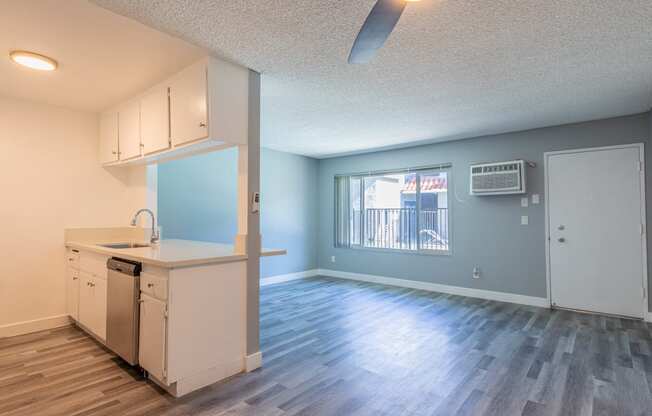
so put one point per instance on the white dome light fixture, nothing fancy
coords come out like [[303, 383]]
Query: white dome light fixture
[[33, 60]]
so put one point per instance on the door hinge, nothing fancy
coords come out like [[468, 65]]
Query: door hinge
[[642, 229], [640, 166]]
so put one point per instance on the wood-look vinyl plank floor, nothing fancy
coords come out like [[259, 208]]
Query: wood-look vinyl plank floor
[[337, 347]]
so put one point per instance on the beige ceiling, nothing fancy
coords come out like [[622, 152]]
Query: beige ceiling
[[451, 69], [103, 57]]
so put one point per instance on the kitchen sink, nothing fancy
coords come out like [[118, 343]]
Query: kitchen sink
[[124, 245]]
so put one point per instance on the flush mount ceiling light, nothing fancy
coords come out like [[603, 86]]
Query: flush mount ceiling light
[[33, 60]]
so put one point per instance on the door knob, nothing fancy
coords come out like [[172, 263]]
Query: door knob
[[561, 228], [561, 240]]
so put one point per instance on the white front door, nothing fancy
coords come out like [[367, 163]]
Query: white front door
[[595, 228]]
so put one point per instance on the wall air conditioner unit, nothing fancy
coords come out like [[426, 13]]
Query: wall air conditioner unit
[[498, 178]]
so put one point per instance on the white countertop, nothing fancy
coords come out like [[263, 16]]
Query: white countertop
[[176, 253]]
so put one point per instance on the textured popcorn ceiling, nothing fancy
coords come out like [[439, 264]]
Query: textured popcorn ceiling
[[451, 69]]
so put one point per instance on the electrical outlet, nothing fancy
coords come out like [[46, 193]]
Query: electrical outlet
[[332, 259], [476, 272], [525, 220], [535, 199], [524, 202]]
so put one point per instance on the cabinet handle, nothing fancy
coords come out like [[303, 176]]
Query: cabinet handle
[[74, 278], [202, 124], [150, 285], [114, 153]]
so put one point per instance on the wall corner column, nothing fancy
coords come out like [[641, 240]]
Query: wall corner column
[[248, 222]]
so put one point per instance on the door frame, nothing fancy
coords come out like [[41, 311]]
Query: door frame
[[641, 148]]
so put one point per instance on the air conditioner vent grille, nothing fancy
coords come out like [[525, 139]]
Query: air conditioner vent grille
[[499, 178]]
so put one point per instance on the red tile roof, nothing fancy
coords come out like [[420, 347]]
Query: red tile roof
[[428, 184]]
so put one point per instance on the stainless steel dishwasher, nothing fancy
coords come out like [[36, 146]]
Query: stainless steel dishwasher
[[122, 318]]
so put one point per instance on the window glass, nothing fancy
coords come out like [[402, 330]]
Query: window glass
[[395, 210], [433, 211], [389, 212]]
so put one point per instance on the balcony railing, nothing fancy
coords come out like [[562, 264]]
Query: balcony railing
[[396, 228]]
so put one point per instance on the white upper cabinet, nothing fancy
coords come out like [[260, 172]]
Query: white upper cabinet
[[155, 121], [109, 137], [188, 105], [204, 107], [129, 130]]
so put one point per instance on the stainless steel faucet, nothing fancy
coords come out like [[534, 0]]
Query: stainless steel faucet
[[155, 236]]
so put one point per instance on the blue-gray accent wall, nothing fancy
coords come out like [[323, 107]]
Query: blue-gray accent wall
[[486, 231], [197, 200]]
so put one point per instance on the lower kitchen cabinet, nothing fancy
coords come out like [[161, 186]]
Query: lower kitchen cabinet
[[72, 293], [153, 334], [86, 290], [192, 324], [192, 320], [92, 304]]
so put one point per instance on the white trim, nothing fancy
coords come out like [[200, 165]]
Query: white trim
[[26, 327], [253, 361], [648, 317], [281, 278], [435, 287], [641, 148]]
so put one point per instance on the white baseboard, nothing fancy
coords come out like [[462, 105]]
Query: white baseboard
[[434, 287], [272, 280], [253, 361], [26, 327]]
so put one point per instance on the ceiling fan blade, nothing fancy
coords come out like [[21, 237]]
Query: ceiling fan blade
[[376, 29]]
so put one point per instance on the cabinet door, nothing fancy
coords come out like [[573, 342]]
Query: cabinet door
[[109, 137], [92, 304], [129, 130], [99, 297], [153, 331], [155, 121], [86, 307], [72, 295], [188, 105]]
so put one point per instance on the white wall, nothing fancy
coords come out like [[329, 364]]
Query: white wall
[[50, 180]]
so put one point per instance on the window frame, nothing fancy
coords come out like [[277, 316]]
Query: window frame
[[419, 171]]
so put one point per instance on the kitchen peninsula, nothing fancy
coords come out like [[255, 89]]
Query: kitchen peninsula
[[192, 329]]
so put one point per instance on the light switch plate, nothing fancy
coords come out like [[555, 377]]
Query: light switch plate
[[535, 199], [524, 202], [524, 220]]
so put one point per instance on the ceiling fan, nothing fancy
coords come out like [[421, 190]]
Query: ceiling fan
[[376, 29]]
